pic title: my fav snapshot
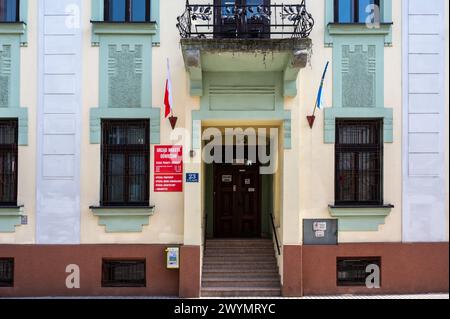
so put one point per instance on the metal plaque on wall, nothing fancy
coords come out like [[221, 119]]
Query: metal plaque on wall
[[320, 232]]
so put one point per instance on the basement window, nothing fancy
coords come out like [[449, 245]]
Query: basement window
[[123, 273], [352, 271], [6, 272]]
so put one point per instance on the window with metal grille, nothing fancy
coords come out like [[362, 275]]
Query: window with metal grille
[[9, 10], [359, 158], [123, 273], [6, 272], [352, 271], [355, 11], [127, 10], [8, 162], [125, 157]]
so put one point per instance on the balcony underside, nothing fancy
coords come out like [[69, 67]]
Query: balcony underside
[[245, 55]]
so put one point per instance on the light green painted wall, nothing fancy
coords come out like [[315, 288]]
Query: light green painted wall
[[123, 220], [9, 219], [117, 52], [360, 56], [12, 37], [249, 96], [360, 219]]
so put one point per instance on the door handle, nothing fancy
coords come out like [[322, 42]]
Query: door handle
[[234, 188]]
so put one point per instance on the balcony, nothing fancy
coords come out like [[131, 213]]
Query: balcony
[[245, 21], [244, 37]]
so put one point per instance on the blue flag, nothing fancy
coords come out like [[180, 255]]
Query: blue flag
[[320, 93]]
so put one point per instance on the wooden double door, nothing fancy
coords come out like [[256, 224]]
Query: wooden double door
[[237, 201]]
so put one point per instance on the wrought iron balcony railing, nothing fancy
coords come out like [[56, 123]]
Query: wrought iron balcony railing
[[245, 21]]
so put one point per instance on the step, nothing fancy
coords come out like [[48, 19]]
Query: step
[[239, 254], [242, 272], [239, 243], [240, 250], [241, 282], [239, 264], [242, 277], [240, 292], [241, 257]]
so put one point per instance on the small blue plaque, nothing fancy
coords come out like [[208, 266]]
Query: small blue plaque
[[192, 177]]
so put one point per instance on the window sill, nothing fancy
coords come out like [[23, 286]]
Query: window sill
[[10, 217], [100, 28], [358, 28], [360, 218], [120, 219]]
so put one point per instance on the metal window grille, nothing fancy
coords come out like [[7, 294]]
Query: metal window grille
[[126, 163], [352, 271], [6, 272], [359, 158], [353, 11], [123, 273], [8, 162], [127, 11], [9, 10]]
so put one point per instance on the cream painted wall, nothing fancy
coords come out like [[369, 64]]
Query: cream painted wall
[[309, 165], [178, 216], [25, 234], [317, 159]]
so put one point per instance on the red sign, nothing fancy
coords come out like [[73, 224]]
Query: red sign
[[168, 159], [168, 169], [169, 183]]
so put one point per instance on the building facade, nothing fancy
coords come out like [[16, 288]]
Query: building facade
[[101, 193]]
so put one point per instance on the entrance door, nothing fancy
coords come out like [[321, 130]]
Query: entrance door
[[236, 201], [231, 22]]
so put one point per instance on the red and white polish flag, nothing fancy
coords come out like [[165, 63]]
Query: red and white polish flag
[[168, 101]]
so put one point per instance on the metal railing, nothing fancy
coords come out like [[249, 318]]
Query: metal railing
[[275, 234], [245, 21]]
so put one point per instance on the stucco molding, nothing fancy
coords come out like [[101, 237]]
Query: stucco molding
[[333, 113], [123, 219], [10, 217], [360, 218], [245, 55], [98, 113]]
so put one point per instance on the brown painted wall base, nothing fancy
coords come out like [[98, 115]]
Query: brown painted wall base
[[292, 271], [308, 270], [190, 272], [40, 270], [405, 268]]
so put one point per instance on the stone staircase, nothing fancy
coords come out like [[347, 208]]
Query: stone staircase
[[240, 268]]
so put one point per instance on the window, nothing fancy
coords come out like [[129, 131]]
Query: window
[[126, 162], [352, 271], [6, 272], [254, 24], [9, 11], [355, 11], [359, 155], [127, 10], [123, 273], [8, 162]]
